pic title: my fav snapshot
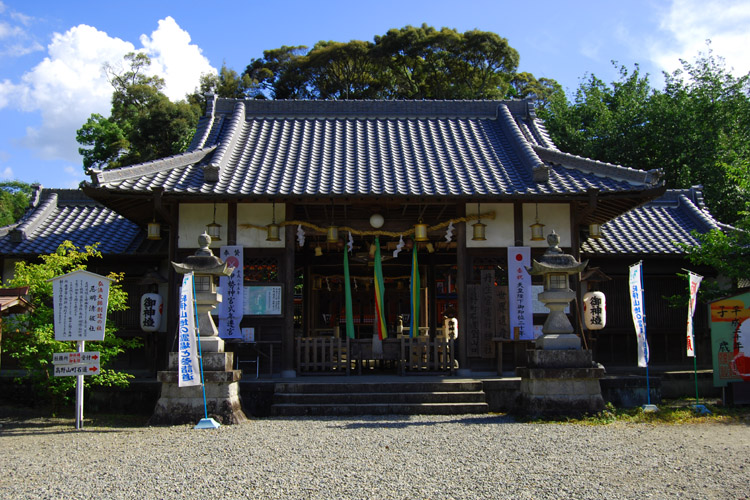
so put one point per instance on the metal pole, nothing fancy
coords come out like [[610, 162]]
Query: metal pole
[[79, 392]]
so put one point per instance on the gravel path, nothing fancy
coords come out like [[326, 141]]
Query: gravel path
[[422, 457]]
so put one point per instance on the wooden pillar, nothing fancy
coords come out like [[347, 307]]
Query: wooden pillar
[[173, 287], [232, 223], [462, 277], [287, 336]]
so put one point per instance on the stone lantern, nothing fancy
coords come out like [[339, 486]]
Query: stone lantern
[[559, 378], [556, 268], [220, 396], [207, 269]]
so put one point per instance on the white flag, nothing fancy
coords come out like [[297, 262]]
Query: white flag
[[695, 283], [188, 369], [232, 291], [519, 293], [639, 313]]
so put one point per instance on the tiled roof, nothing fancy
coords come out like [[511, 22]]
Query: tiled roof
[[373, 148], [65, 214], [656, 227]]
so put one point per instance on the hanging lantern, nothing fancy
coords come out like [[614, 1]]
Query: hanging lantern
[[272, 230], [420, 232], [154, 230], [479, 228], [151, 311], [214, 229], [594, 310], [537, 229], [332, 236], [595, 231]]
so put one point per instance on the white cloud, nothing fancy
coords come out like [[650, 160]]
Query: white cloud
[[691, 22], [175, 59], [7, 174], [69, 84]]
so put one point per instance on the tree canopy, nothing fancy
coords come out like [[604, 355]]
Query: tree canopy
[[143, 124], [695, 129], [14, 200], [406, 63]]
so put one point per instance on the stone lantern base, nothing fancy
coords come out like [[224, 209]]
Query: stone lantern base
[[560, 382], [184, 405]]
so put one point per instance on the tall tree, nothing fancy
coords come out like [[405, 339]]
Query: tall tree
[[143, 125], [696, 129], [407, 63]]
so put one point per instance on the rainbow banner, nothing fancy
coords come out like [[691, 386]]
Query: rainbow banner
[[348, 296], [414, 288], [380, 327]]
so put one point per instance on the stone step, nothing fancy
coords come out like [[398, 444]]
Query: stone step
[[348, 388], [289, 410], [379, 397]]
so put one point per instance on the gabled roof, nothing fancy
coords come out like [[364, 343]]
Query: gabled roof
[[56, 215], [655, 228], [365, 149]]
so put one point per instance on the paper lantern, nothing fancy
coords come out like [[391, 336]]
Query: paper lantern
[[594, 310], [151, 312]]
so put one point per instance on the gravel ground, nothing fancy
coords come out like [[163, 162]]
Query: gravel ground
[[417, 457]]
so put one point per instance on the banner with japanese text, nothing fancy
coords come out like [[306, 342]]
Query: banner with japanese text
[[730, 339], [519, 293], [695, 283], [231, 290], [188, 369], [638, 310]]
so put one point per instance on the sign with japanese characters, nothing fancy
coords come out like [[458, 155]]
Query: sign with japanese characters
[[231, 290], [730, 339], [70, 364], [695, 283], [519, 293], [80, 305], [188, 369], [262, 300]]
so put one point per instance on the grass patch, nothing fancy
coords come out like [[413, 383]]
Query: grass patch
[[671, 412]]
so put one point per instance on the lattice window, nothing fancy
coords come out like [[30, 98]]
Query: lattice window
[[261, 269]]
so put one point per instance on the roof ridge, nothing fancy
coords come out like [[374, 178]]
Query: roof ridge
[[37, 217], [99, 177], [539, 171], [700, 215], [569, 160], [212, 171]]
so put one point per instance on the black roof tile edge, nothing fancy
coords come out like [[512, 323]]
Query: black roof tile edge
[[102, 177], [646, 177], [224, 150], [38, 216]]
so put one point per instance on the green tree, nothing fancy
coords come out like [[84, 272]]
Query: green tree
[[30, 338], [14, 200], [407, 63], [696, 130], [143, 124]]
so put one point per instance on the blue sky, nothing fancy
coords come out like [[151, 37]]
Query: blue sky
[[52, 52]]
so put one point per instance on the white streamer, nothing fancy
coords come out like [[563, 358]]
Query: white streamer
[[350, 245], [399, 246], [300, 236], [449, 232]]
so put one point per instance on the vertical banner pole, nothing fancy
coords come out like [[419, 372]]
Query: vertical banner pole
[[79, 392], [198, 341]]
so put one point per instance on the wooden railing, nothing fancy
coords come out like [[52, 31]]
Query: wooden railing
[[335, 356], [424, 354], [323, 355]]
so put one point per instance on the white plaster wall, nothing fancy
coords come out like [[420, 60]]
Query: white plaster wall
[[554, 216], [194, 217], [259, 214], [499, 231], [9, 269]]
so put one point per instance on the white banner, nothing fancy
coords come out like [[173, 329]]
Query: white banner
[[639, 313], [695, 283], [231, 290], [520, 293], [188, 370]]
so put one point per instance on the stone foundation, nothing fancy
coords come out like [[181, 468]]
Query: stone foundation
[[560, 382], [184, 405]]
